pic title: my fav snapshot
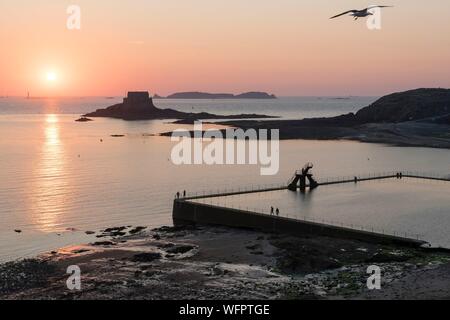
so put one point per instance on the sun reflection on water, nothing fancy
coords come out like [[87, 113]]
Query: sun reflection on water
[[51, 118], [50, 186]]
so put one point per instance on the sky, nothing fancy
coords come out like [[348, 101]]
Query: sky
[[286, 47]]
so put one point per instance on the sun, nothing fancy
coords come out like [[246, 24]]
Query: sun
[[51, 76]]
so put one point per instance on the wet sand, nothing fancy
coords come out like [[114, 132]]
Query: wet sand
[[224, 263]]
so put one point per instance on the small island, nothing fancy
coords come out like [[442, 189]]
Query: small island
[[83, 119], [139, 106], [217, 96]]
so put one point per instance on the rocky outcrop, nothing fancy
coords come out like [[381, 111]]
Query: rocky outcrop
[[255, 95], [200, 95], [424, 105], [235, 264], [139, 106], [406, 106], [83, 119], [413, 118], [204, 95], [136, 106]]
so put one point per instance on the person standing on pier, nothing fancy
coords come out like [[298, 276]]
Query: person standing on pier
[[278, 212], [271, 211]]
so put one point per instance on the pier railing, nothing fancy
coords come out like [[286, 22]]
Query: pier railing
[[384, 175], [235, 191], [320, 221], [323, 181], [220, 197]]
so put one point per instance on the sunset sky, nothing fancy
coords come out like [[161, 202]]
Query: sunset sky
[[288, 47]]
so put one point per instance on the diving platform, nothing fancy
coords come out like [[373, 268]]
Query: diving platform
[[300, 178]]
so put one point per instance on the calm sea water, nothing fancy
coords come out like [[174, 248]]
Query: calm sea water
[[408, 207], [57, 174], [290, 107]]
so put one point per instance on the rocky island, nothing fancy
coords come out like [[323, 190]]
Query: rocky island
[[212, 96], [139, 106]]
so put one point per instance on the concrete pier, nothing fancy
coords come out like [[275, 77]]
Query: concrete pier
[[187, 213], [189, 210]]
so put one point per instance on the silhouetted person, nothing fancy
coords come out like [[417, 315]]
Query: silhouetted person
[[271, 211], [184, 194], [278, 212], [178, 195]]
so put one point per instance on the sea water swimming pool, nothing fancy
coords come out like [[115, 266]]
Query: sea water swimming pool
[[409, 207]]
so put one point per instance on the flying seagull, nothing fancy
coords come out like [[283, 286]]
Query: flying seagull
[[360, 13]]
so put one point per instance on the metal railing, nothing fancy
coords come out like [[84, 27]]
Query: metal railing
[[213, 198], [322, 181], [322, 221]]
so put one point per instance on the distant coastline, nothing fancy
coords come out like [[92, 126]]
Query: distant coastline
[[418, 118], [213, 96]]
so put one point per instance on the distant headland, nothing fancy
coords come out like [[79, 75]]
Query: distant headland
[[418, 117], [213, 96], [139, 106]]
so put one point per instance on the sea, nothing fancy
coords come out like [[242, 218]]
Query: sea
[[60, 178]]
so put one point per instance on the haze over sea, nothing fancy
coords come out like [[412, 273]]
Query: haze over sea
[[58, 175]]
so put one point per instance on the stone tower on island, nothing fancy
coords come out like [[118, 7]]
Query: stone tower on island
[[138, 100], [138, 105]]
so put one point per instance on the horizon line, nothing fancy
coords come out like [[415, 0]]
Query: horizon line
[[162, 97]]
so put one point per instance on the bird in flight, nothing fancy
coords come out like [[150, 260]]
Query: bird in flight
[[360, 13]]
